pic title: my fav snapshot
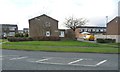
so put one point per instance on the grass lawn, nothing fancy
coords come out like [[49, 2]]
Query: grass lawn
[[62, 46], [3, 40]]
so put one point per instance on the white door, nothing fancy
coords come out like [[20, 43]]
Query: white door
[[62, 34]]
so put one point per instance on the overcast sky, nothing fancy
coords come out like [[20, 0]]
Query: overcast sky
[[19, 11]]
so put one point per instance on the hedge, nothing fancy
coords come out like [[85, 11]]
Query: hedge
[[16, 39], [45, 38], [39, 38], [100, 40]]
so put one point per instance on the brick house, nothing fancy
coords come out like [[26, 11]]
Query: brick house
[[43, 26], [8, 30], [113, 26], [113, 29], [26, 30], [91, 29]]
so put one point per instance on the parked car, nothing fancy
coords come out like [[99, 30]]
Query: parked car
[[89, 37]]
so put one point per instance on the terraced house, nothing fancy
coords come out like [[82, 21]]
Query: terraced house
[[91, 29], [8, 30], [43, 26]]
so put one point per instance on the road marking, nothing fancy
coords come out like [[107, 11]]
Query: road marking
[[101, 62], [17, 58], [68, 64], [75, 61], [52, 63], [84, 65], [42, 60]]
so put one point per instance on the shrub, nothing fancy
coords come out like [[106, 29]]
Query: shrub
[[26, 35], [45, 38], [17, 35], [16, 39], [21, 35], [39, 38], [114, 40], [100, 40]]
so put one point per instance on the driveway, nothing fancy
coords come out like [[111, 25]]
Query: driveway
[[81, 39]]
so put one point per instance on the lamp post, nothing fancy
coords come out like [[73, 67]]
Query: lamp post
[[106, 20], [106, 25]]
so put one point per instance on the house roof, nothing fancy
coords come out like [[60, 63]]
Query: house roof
[[44, 15], [61, 29], [90, 27], [117, 17], [9, 24]]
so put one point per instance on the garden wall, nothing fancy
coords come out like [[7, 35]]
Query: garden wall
[[117, 37]]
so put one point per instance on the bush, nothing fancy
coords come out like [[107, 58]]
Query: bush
[[100, 40], [26, 35], [45, 38], [17, 35], [40, 38], [21, 35], [17, 39]]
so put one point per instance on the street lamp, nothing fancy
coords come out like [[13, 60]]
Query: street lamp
[[106, 20], [106, 25]]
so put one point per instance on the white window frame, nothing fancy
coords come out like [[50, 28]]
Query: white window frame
[[47, 24], [97, 30], [93, 30], [11, 33], [89, 30], [101, 30]]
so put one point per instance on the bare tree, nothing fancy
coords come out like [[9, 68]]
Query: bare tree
[[73, 23]]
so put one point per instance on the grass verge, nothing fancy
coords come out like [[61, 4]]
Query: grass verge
[[61, 46]]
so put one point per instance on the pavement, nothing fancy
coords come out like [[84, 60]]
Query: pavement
[[38, 60]]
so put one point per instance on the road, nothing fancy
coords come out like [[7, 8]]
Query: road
[[38, 60]]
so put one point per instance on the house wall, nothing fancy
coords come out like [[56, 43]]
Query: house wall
[[113, 27], [70, 34], [39, 25], [77, 33]]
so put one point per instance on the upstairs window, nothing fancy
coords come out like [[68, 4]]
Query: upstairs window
[[47, 24]]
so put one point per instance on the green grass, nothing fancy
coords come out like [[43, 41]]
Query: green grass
[[57, 43], [53, 43], [3, 40], [61, 46]]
